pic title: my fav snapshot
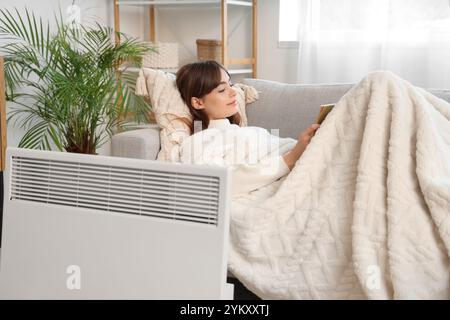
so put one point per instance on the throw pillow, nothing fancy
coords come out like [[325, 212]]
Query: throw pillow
[[172, 114]]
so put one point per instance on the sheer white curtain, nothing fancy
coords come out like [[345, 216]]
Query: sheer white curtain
[[342, 40]]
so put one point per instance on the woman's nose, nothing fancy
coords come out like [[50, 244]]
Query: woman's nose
[[232, 92]]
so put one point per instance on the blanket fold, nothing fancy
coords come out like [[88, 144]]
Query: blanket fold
[[365, 211]]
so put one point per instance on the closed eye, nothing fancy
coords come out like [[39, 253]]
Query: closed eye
[[229, 83]]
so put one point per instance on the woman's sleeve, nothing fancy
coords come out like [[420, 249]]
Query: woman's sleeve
[[249, 177]]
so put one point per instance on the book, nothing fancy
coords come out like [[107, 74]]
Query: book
[[324, 110]]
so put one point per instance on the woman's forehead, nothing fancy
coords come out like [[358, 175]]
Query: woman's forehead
[[224, 76]]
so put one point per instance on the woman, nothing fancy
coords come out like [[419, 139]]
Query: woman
[[370, 194], [206, 89]]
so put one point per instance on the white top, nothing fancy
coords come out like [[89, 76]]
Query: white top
[[253, 153]]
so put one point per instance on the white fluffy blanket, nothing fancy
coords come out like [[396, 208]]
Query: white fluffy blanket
[[365, 212]]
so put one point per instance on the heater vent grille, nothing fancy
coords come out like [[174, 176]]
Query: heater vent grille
[[163, 194]]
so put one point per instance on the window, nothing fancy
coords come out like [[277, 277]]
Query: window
[[288, 21], [399, 20], [341, 41]]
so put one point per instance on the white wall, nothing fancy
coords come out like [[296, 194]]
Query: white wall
[[277, 64], [184, 25]]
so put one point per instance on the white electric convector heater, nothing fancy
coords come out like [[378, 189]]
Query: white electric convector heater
[[93, 227]]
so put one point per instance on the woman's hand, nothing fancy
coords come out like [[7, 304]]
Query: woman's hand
[[304, 138]]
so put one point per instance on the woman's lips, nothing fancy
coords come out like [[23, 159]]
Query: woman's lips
[[232, 103]]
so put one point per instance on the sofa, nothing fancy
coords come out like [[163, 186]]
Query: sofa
[[289, 108]]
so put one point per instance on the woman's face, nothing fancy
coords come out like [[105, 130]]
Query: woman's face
[[219, 103]]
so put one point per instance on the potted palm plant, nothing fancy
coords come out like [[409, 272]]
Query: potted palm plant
[[66, 86]]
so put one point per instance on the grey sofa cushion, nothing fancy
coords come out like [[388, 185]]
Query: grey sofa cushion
[[289, 107], [292, 107], [441, 93]]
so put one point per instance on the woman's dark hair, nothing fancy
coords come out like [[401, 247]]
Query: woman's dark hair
[[197, 80]]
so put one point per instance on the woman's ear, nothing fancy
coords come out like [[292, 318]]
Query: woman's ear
[[197, 103]]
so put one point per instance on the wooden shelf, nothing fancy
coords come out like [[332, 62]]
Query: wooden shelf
[[231, 71], [182, 2], [239, 71]]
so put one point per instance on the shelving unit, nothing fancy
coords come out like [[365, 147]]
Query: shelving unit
[[227, 62]]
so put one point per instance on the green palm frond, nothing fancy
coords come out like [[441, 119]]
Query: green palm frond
[[72, 84], [39, 137]]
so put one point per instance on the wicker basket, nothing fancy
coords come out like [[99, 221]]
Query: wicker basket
[[209, 50], [166, 56]]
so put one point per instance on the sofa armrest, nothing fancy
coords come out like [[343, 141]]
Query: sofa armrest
[[140, 144]]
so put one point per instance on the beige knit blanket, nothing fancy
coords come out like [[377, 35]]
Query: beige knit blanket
[[365, 213]]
